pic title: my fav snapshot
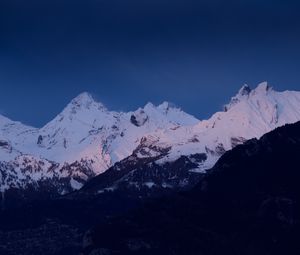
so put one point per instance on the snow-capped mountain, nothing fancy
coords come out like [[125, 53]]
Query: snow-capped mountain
[[249, 114], [86, 139]]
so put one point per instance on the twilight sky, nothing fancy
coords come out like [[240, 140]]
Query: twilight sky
[[195, 54]]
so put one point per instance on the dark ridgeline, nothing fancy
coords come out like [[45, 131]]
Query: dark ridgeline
[[248, 204]]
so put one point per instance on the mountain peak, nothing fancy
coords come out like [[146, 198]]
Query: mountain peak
[[85, 100], [165, 106], [263, 87], [244, 90], [83, 97], [149, 105]]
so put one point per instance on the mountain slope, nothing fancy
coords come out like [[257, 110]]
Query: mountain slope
[[247, 204]]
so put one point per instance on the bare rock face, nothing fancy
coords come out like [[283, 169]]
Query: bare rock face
[[139, 118]]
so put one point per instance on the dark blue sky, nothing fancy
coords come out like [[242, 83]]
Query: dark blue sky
[[195, 54]]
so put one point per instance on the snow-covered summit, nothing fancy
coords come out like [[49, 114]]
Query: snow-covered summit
[[85, 100], [81, 105], [86, 131], [166, 114], [251, 113], [245, 92], [263, 88]]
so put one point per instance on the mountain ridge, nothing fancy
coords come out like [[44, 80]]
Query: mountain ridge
[[89, 139]]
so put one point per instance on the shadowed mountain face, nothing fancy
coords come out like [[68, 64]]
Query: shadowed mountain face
[[248, 204]]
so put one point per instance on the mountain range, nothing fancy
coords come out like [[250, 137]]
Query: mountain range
[[154, 181], [86, 140], [247, 204]]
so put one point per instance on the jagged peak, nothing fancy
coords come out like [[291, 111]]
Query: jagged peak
[[165, 106], [244, 90], [149, 106], [85, 100], [83, 97], [262, 88]]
